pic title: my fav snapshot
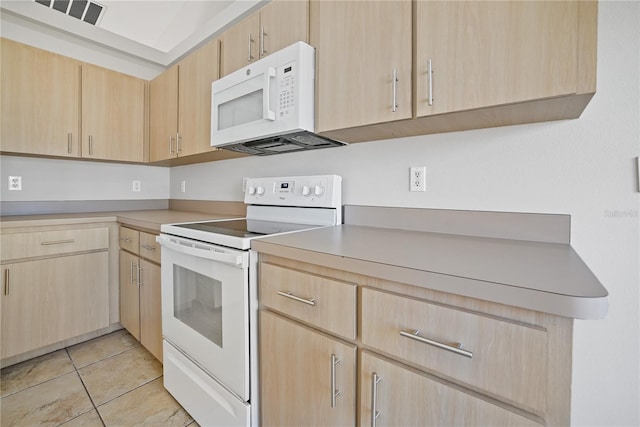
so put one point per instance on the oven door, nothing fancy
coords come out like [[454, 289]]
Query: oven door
[[205, 308]]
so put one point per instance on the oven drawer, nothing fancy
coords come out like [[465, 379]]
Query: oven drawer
[[500, 357], [319, 301], [54, 242], [204, 398]]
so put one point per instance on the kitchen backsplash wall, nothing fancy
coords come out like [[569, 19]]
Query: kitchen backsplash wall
[[54, 180]]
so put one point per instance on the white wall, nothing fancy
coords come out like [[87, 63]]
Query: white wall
[[585, 168], [54, 180]]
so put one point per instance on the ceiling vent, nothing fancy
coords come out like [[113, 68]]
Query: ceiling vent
[[84, 10]]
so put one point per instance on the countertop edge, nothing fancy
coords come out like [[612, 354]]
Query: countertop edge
[[591, 308]]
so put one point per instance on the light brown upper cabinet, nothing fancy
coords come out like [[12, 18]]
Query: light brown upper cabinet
[[180, 106], [40, 102], [475, 54], [363, 62], [113, 108], [275, 26]]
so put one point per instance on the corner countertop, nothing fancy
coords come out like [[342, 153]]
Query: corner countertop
[[149, 219], [546, 277]]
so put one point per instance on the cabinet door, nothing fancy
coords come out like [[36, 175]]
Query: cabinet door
[[51, 300], [408, 398], [240, 44], [129, 293], [296, 375], [163, 115], [358, 45], [491, 53], [197, 72], [282, 23], [40, 102], [112, 115], [150, 308]]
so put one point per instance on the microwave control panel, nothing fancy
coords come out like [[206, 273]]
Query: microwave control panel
[[286, 76]]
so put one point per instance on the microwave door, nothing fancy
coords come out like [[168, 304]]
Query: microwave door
[[236, 110]]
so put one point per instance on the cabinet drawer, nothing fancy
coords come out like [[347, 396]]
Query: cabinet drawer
[[149, 248], [506, 359], [326, 303], [129, 239], [53, 242]]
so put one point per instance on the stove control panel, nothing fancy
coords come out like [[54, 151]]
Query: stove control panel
[[323, 191]]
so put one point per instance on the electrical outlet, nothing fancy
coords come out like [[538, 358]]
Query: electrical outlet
[[15, 183], [417, 178], [183, 186], [136, 186]]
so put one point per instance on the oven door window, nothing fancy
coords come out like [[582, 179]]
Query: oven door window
[[198, 303]]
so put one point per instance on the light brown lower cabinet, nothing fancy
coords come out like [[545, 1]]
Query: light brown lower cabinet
[[51, 300], [425, 357], [140, 306], [307, 377], [400, 396]]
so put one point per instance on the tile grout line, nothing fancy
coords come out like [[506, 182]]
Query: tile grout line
[[85, 389]]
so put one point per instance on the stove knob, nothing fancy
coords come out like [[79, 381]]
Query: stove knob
[[252, 191], [260, 191], [318, 190], [306, 190]]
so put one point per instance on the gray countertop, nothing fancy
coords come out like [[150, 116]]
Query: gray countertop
[[147, 219], [547, 277]]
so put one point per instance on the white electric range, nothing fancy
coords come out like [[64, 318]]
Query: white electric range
[[209, 294]]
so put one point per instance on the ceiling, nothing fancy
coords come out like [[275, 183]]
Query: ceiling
[[157, 31]]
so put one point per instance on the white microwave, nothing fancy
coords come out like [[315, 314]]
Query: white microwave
[[267, 107]]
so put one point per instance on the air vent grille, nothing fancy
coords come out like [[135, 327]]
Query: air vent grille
[[84, 10]]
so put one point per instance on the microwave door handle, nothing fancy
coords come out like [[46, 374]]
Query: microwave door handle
[[267, 113]]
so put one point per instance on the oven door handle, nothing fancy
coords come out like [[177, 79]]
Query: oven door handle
[[233, 259]]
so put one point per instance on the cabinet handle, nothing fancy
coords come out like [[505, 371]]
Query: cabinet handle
[[430, 83], [139, 275], [57, 242], [6, 281], [262, 36], [69, 143], [456, 348], [250, 56], [289, 294], [394, 87], [131, 272], [170, 145], [334, 392], [147, 247], [178, 144], [125, 239], [374, 398], [90, 145]]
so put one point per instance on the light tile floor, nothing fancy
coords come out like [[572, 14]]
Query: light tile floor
[[109, 381]]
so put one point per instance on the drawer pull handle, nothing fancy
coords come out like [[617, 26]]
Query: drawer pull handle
[[57, 242], [125, 239], [374, 397], [334, 392], [456, 348], [148, 247], [289, 294], [6, 281]]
